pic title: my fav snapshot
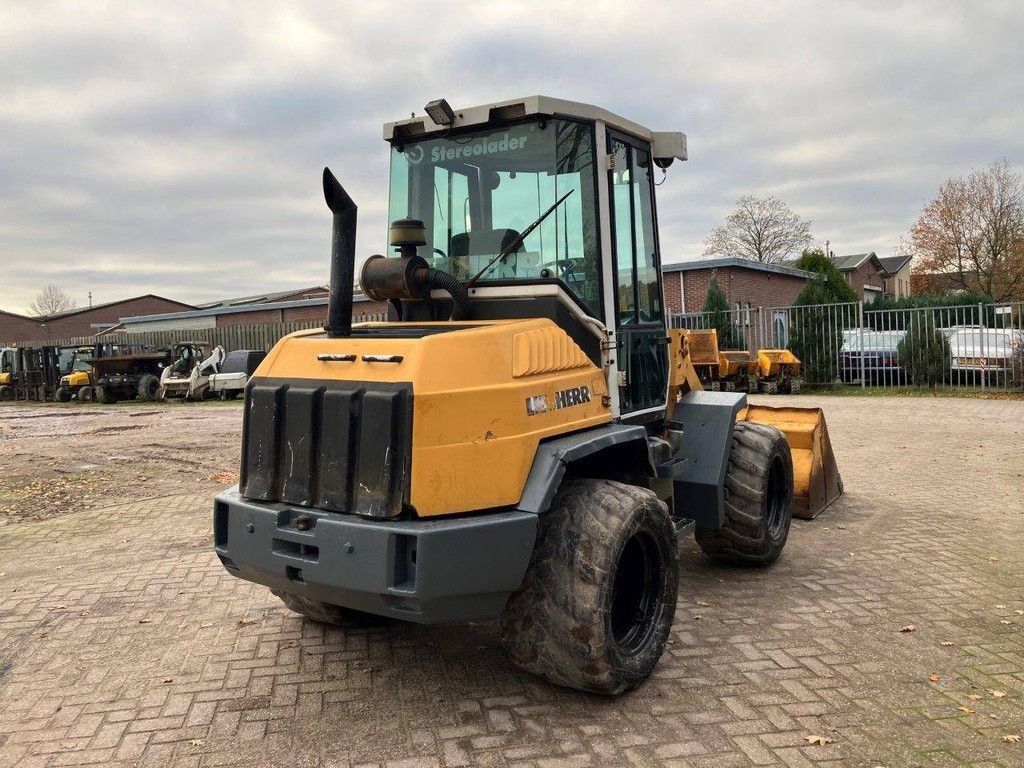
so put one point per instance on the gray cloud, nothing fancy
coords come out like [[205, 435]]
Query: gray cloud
[[176, 148]]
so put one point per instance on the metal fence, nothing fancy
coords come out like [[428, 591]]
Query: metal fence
[[966, 346], [254, 336]]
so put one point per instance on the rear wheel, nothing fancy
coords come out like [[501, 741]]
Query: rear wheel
[[149, 385], [758, 497], [63, 395], [596, 606], [327, 613], [6, 392], [105, 395]]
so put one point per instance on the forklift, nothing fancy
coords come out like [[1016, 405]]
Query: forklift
[[524, 439]]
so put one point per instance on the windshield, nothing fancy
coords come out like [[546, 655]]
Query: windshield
[[477, 192]]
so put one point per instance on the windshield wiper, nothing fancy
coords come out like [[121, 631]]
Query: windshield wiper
[[517, 241]]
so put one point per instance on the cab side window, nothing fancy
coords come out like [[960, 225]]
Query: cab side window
[[635, 238]]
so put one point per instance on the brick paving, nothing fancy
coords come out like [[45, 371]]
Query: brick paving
[[123, 642]]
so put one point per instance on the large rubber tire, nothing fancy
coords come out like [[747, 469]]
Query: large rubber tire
[[149, 385], [326, 613], [6, 392], [86, 395], [104, 395], [596, 606], [62, 395], [758, 498]]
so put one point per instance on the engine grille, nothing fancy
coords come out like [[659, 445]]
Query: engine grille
[[342, 446]]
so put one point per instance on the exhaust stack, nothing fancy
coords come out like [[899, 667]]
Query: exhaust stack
[[343, 257]]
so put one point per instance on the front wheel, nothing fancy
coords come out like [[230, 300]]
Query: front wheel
[[63, 395], [86, 395], [597, 603], [149, 385], [758, 498], [105, 395]]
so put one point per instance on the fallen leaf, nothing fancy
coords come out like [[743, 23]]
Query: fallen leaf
[[1006, 621], [145, 621], [908, 628], [1011, 738], [821, 741], [224, 477], [702, 604], [698, 617], [994, 559], [946, 643], [968, 710], [195, 742], [1000, 607], [934, 677], [246, 622], [168, 680], [973, 696], [1018, 612], [996, 694]]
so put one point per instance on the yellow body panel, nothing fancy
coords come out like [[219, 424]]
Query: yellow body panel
[[772, 362], [733, 363], [76, 379], [5, 378], [474, 438], [703, 346]]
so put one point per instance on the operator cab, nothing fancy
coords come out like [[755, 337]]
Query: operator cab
[[480, 184]]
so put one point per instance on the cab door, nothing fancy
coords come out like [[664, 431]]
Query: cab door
[[639, 322]]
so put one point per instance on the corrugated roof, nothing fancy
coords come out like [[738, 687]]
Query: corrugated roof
[[261, 298]]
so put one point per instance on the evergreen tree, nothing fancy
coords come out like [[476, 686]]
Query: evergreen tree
[[716, 310], [924, 352], [822, 310]]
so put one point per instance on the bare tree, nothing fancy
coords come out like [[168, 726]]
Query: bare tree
[[972, 234], [50, 301], [761, 229]]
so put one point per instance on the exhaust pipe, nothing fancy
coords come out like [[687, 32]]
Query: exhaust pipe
[[343, 257]]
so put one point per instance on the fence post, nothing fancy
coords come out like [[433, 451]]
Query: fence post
[[981, 339], [860, 336]]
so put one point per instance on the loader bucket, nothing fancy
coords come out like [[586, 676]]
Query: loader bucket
[[816, 480]]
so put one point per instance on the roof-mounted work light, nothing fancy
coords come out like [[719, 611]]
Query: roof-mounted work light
[[440, 111]]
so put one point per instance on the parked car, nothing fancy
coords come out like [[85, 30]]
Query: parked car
[[235, 371], [871, 354], [988, 352]]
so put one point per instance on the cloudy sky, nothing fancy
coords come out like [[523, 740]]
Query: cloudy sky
[[176, 148]]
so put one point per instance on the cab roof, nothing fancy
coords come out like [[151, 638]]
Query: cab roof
[[664, 143]]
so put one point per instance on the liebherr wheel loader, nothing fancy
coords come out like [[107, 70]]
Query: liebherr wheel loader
[[523, 439]]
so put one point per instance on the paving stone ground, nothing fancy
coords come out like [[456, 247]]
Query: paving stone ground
[[123, 642]]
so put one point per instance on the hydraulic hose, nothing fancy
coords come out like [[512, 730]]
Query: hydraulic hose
[[436, 278]]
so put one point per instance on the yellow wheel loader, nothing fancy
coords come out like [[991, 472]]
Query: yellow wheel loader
[[523, 439]]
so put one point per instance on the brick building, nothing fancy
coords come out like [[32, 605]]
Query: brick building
[[865, 274], [84, 321], [745, 283], [17, 327]]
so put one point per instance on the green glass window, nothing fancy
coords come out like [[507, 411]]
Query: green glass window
[[476, 192], [636, 246]]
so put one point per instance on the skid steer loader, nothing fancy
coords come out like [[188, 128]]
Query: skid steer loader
[[524, 439]]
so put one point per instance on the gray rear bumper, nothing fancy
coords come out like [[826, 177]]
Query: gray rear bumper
[[427, 571]]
